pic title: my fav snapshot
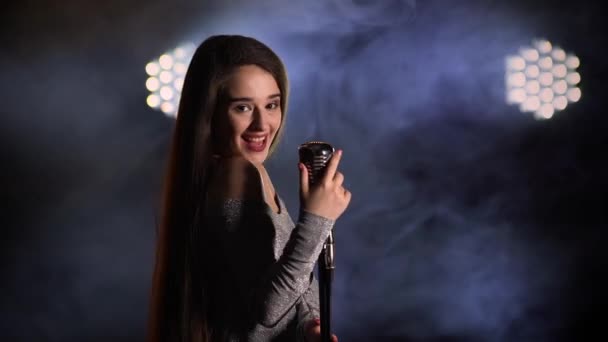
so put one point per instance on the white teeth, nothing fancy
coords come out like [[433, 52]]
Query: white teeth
[[260, 139]]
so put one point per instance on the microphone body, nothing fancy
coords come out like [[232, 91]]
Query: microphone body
[[315, 155]]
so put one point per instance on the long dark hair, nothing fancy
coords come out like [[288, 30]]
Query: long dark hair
[[178, 305]]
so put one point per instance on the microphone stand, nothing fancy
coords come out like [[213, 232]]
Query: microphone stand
[[314, 155], [326, 276]]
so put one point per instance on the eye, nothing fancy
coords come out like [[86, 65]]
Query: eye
[[241, 108], [273, 105]]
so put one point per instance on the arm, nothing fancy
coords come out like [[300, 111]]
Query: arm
[[245, 233], [308, 308]]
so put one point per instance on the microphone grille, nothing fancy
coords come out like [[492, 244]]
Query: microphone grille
[[315, 155]]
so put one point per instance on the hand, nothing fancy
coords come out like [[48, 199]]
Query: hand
[[327, 197], [313, 331]]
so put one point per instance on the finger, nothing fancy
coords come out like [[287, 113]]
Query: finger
[[312, 324], [347, 196], [339, 179], [303, 178], [334, 338], [332, 166]]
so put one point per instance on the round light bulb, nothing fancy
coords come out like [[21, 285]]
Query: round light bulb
[[152, 84], [166, 93], [573, 78], [545, 111], [560, 102], [573, 62], [516, 95], [530, 54], [166, 62], [532, 87], [517, 79], [153, 100], [560, 87], [574, 94]]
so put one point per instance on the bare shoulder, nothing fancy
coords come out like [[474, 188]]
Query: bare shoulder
[[237, 178]]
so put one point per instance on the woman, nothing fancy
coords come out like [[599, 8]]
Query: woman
[[230, 263]]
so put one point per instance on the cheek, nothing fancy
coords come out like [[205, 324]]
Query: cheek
[[238, 125], [276, 122]]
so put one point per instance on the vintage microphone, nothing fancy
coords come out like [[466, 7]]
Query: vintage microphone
[[315, 155]]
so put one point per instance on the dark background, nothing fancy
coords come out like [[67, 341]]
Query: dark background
[[470, 221]]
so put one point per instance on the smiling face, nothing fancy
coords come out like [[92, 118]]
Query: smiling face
[[249, 121]]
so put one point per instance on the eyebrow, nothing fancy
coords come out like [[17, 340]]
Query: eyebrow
[[236, 99]]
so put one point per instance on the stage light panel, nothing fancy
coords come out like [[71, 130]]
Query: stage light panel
[[166, 78], [542, 79]]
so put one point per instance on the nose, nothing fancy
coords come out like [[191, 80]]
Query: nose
[[259, 118]]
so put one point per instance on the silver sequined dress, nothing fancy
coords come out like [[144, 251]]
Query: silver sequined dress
[[264, 286]]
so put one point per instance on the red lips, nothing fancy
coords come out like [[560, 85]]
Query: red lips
[[255, 146]]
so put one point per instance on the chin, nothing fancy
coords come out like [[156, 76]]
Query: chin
[[256, 159]]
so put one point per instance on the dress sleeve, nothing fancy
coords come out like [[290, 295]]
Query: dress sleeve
[[308, 307], [244, 232]]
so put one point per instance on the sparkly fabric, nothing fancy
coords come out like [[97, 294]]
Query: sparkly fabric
[[265, 288]]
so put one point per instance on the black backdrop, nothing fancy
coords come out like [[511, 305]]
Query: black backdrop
[[470, 221]]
